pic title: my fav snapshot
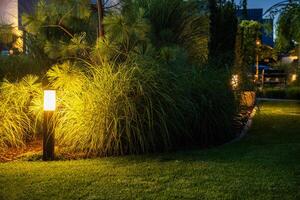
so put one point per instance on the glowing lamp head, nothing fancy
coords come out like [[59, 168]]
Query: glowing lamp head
[[49, 100], [257, 42]]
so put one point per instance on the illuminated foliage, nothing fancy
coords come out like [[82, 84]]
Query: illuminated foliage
[[18, 112]]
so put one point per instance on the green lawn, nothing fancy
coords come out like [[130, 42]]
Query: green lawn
[[264, 165]]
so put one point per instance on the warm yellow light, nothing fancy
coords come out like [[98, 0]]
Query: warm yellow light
[[294, 77], [49, 100], [235, 81]]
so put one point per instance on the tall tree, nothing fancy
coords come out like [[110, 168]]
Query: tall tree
[[244, 4], [223, 30], [213, 9], [100, 9]]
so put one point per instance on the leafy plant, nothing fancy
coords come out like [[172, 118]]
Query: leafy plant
[[15, 68]]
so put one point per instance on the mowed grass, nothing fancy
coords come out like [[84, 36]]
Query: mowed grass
[[263, 165]]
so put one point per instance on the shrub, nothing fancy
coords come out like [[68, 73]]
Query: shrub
[[16, 67], [293, 92], [216, 107], [280, 93], [113, 110]]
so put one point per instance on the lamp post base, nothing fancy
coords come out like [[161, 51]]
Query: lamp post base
[[48, 137]]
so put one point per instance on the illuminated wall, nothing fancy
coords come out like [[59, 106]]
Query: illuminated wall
[[9, 12]]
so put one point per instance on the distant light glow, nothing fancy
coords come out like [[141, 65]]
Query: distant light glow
[[235, 81], [294, 77], [49, 100]]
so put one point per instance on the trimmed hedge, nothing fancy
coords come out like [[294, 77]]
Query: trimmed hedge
[[280, 93]]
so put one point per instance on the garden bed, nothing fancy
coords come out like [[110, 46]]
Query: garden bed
[[33, 150]]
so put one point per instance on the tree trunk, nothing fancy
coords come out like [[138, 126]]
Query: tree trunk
[[100, 8], [212, 45]]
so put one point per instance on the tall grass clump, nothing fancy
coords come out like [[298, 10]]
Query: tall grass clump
[[112, 110], [17, 112]]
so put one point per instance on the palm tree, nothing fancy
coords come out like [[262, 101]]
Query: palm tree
[[102, 6]]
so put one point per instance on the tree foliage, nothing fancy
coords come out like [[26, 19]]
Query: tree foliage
[[245, 50], [288, 30], [61, 28], [251, 32], [244, 5], [223, 30]]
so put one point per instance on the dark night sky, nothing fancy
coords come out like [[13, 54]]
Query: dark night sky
[[262, 3]]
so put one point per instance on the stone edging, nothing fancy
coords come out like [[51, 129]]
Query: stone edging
[[246, 127]]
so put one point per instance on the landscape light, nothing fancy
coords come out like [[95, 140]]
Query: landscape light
[[294, 77], [48, 125], [235, 81], [49, 100]]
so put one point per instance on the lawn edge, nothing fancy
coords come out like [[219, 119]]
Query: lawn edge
[[246, 128]]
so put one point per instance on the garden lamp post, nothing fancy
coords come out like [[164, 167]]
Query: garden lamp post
[[48, 132]]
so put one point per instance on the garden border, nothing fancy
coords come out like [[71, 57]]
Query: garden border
[[246, 127]]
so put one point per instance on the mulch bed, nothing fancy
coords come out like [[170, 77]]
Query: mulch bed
[[33, 151]]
